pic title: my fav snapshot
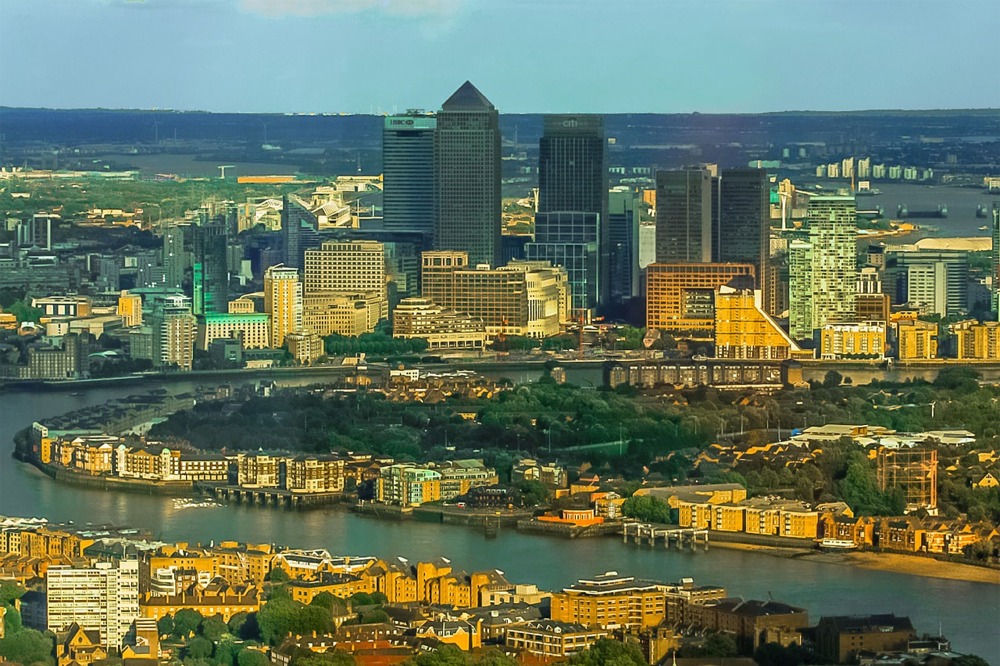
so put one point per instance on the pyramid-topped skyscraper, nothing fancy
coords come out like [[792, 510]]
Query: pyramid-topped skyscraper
[[467, 169]]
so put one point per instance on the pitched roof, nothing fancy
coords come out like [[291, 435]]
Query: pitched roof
[[467, 98]]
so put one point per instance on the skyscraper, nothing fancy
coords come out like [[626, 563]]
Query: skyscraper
[[571, 239], [174, 330], [408, 173], [623, 242], [996, 259], [283, 302], [299, 230], [573, 178], [684, 216], [209, 271], [823, 270], [467, 171], [174, 256], [741, 232]]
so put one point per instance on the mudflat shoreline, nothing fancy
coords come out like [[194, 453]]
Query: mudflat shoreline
[[912, 565]]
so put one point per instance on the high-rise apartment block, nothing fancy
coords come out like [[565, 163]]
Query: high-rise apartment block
[[995, 254], [175, 258], [103, 598], [916, 340], [684, 216], [408, 173], [975, 341], [467, 174], [680, 297], [174, 331], [348, 267], [823, 270], [130, 309], [283, 302]]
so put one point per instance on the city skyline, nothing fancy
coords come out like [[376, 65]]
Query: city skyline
[[387, 56]]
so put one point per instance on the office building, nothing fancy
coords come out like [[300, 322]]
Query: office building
[[209, 270], [342, 313], [932, 282], [741, 224], [442, 328], [571, 240], [37, 231], [872, 303], [573, 178], [823, 269], [102, 598], [680, 297], [744, 330], [130, 309], [684, 216], [174, 330], [253, 329], [467, 174], [175, 258], [299, 230], [522, 298], [841, 638], [408, 173], [305, 348], [623, 245], [283, 302], [347, 267]]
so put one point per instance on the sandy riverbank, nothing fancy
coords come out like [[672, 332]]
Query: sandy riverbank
[[896, 562]]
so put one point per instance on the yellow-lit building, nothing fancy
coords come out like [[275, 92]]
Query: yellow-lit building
[[283, 302], [305, 347], [528, 298], [916, 340], [680, 298], [253, 329], [218, 598], [442, 328], [342, 586], [405, 484], [130, 309], [242, 305], [341, 313], [611, 600], [348, 267], [977, 341], [852, 340], [743, 330]]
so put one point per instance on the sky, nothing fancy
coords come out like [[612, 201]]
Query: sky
[[527, 56]]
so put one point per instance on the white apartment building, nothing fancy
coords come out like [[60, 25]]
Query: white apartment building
[[102, 598]]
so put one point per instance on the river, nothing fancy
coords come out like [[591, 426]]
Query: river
[[966, 612]]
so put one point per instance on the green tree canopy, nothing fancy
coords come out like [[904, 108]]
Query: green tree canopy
[[27, 647], [608, 652]]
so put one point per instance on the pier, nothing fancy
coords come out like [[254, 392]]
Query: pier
[[269, 496], [647, 533]]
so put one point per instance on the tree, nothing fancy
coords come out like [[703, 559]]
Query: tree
[[236, 624], [832, 379], [608, 652], [329, 658], [647, 508], [252, 658], [213, 627], [186, 622], [446, 655], [278, 575], [10, 592], [329, 602], [720, 645], [11, 620], [199, 648], [165, 625], [27, 647]]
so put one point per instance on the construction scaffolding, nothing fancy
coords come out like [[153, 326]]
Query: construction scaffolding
[[912, 470]]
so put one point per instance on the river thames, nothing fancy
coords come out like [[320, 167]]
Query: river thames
[[968, 613]]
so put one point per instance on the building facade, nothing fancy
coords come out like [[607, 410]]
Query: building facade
[[408, 173], [283, 301], [680, 297], [684, 216], [104, 598]]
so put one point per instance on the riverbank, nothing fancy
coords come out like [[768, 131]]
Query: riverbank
[[912, 565]]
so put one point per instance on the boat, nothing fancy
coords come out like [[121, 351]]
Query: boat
[[837, 545], [984, 228]]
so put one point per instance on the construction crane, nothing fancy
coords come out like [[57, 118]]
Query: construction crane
[[222, 170]]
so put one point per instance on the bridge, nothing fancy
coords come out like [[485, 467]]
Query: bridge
[[645, 532], [273, 497]]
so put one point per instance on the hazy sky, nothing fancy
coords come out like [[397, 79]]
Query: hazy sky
[[525, 55]]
